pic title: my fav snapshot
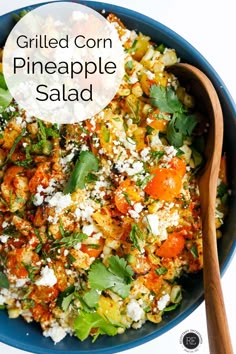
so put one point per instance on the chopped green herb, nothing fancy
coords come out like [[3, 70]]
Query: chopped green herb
[[91, 178], [161, 270], [161, 47], [105, 134], [194, 250], [69, 241], [222, 189], [13, 148], [136, 236], [171, 307], [156, 155], [142, 183], [86, 163], [127, 198], [149, 130], [133, 48], [129, 65], [4, 282], [179, 153], [32, 271]]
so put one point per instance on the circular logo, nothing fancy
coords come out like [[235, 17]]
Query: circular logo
[[191, 340], [63, 62]]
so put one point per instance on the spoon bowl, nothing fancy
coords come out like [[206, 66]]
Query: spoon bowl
[[204, 92]]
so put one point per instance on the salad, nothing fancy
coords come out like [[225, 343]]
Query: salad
[[100, 219]]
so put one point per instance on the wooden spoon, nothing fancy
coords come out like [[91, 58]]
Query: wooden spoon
[[202, 88]]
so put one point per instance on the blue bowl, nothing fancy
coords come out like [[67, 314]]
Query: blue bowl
[[29, 337]]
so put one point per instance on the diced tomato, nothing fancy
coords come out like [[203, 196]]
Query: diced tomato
[[153, 281], [61, 276], [16, 268], [40, 313], [16, 260], [41, 177], [171, 247], [158, 124], [44, 293], [141, 264], [125, 194], [93, 250], [165, 185], [178, 165]]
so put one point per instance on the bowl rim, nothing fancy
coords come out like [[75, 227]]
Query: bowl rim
[[217, 81]]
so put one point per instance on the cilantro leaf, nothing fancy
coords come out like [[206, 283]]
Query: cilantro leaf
[[86, 163], [85, 322], [186, 123], [91, 298], [118, 266], [180, 126], [4, 283], [65, 297], [118, 277], [5, 96], [174, 136], [222, 189], [165, 99]]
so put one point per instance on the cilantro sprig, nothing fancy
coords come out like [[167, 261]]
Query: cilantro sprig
[[182, 123], [86, 163], [117, 277]]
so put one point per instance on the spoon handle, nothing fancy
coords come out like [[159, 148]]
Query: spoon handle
[[217, 325]]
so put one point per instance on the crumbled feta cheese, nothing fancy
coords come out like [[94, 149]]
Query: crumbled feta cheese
[[136, 168], [158, 223], [152, 221], [56, 332], [144, 153], [59, 201], [155, 141], [133, 79], [125, 36], [4, 238], [88, 229], [138, 207], [170, 153], [47, 277], [77, 246], [135, 311], [21, 282], [150, 75], [84, 147], [66, 159], [5, 224], [38, 199], [163, 301]]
